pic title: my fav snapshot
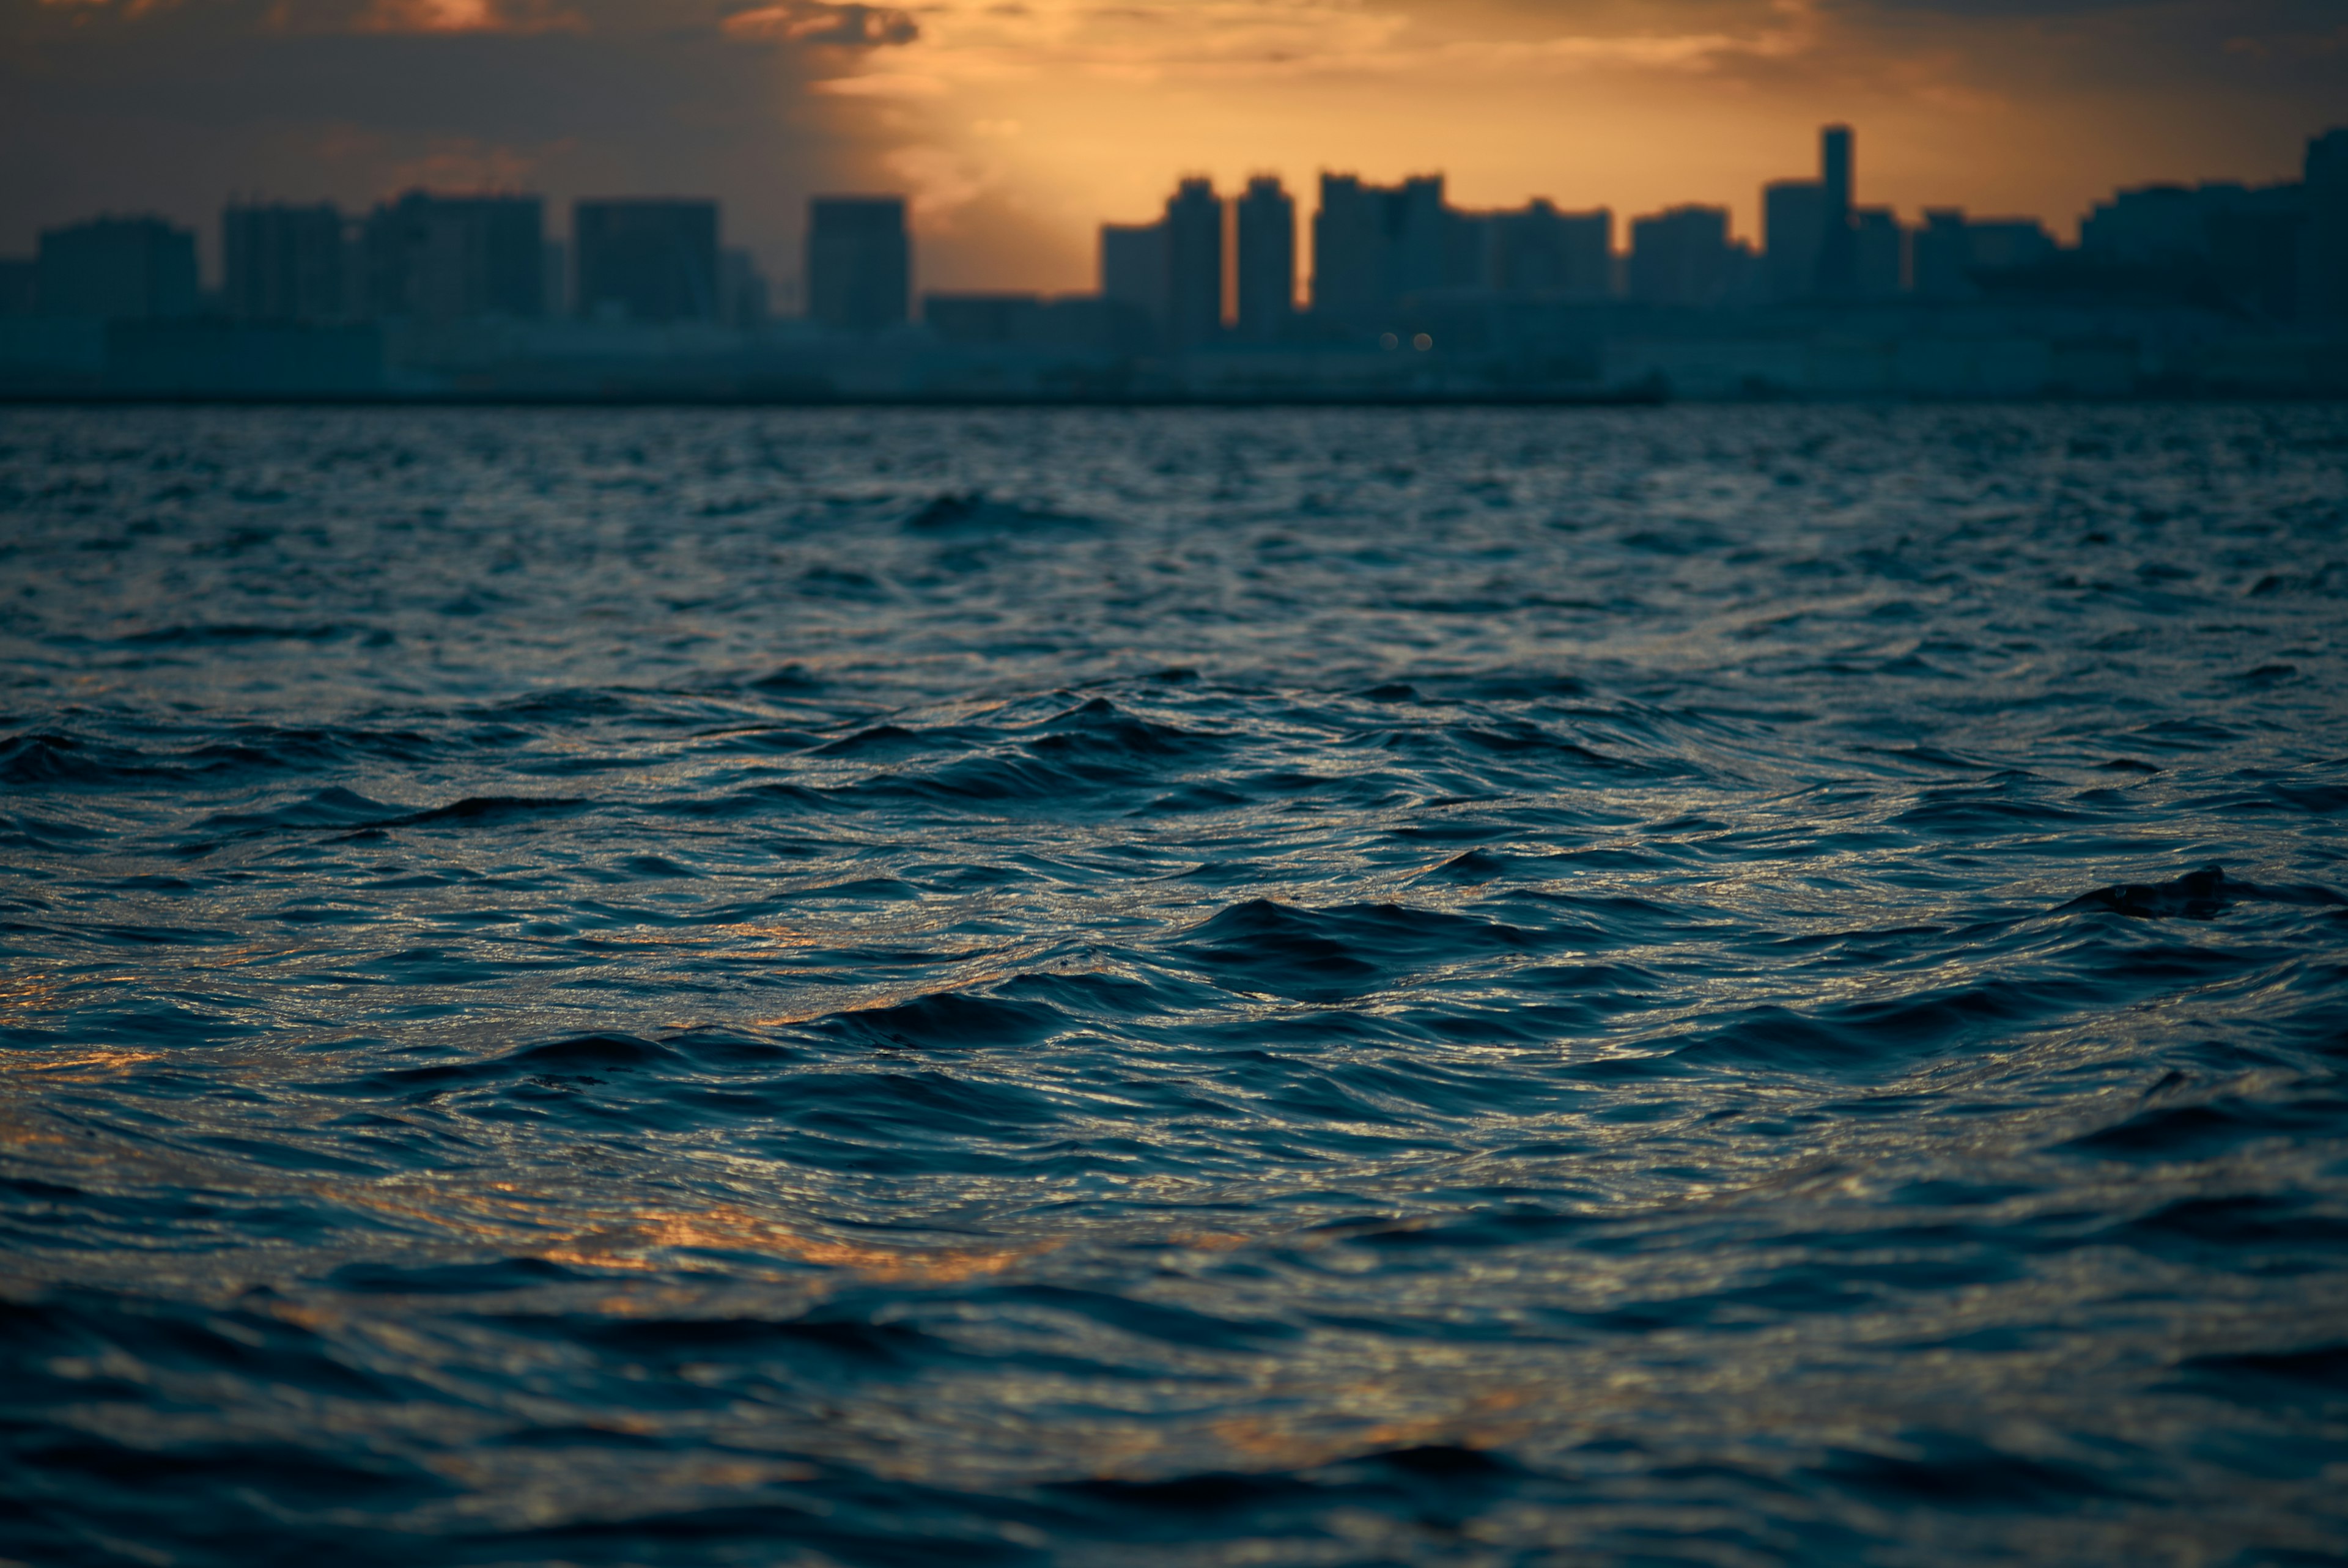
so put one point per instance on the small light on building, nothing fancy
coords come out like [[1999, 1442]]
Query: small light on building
[[1422, 342], [1387, 340]]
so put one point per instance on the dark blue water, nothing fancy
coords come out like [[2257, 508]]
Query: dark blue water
[[1174, 988]]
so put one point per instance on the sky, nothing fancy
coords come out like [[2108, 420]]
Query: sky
[[1018, 126]]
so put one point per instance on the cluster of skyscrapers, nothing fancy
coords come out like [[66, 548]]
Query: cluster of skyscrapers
[[422, 257], [2166, 286], [2278, 253]]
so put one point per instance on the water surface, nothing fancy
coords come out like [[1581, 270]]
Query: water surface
[[1174, 986]]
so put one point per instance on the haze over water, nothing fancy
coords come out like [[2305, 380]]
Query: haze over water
[[1179, 987]]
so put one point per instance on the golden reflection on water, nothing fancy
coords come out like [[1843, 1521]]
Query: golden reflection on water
[[728, 1229]]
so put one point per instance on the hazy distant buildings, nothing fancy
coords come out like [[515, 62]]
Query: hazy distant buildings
[[1349, 235], [284, 264], [1194, 264], [1172, 271], [118, 269], [1838, 277], [2244, 245], [650, 259], [859, 262], [1811, 240], [1793, 234], [447, 258], [1267, 259], [1952, 253], [1682, 257], [1374, 245], [1879, 262], [2220, 285], [1537, 250], [2324, 296], [2007, 244], [1133, 270]]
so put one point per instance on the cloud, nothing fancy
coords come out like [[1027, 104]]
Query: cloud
[[838, 27], [126, 104], [2025, 105]]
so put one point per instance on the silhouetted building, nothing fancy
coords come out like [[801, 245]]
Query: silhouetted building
[[1952, 251], [2150, 225], [1837, 248], [1793, 233], [2256, 249], [1879, 254], [859, 262], [1941, 258], [1194, 264], [284, 264], [1373, 245], [121, 268], [448, 258], [1808, 234], [1681, 257], [1348, 240], [19, 286], [645, 261], [1542, 251], [1267, 259], [2324, 289], [2008, 244], [2219, 243], [1133, 269]]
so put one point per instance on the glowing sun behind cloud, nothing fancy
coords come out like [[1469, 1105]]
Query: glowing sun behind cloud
[[1043, 119]]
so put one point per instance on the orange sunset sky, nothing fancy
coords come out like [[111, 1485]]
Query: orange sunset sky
[[1017, 126]]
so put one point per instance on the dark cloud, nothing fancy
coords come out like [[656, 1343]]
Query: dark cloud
[[108, 106]]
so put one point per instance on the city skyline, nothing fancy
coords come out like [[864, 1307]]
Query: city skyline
[[1856, 237], [1015, 130]]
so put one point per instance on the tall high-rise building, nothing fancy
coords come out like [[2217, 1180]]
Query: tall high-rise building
[[2323, 272], [1807, 231], [284, 264], [1837, 247], [1267, 259], [1793, 233], [646, 260], [1348, 232], [1681, 257], [1372, 245], [859, 262], [1194, 264], [119, 269], [1539, 250], [447, 258], [1133, 270]]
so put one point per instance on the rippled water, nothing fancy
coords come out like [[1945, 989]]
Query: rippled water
[[1174, 988]]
